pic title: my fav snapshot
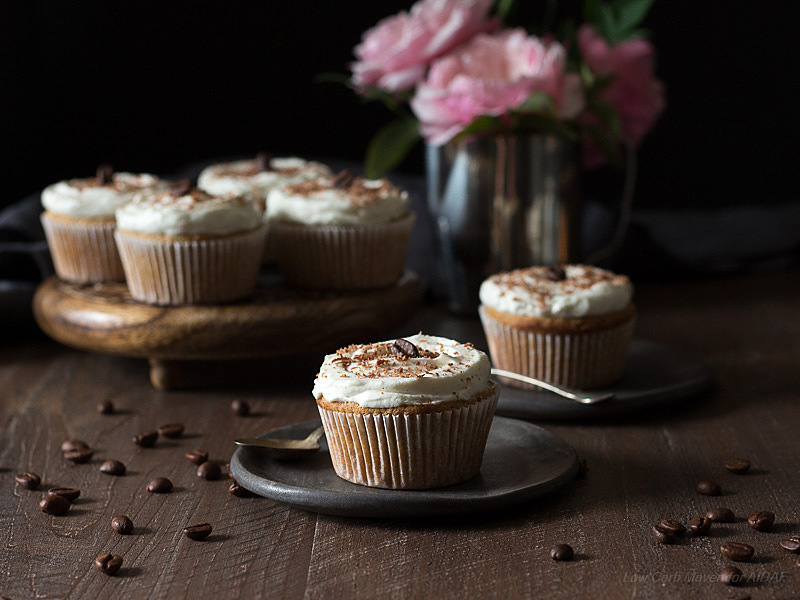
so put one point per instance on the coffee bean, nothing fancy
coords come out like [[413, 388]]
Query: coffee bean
[[106, 407], [792, 544], [122, 525], [583, 468], [113, 467], [663, 535], [28, 480], [159, 485], [200, 531], [731, 575], [737, 551], [71, 445], [70, 494], [79, 456], [235, 489], [240, 407], [740, 466], [344, 178], [198, 457], [797, 564], [700, 525], [721, 515], [264, 161], [209, 470], [674, 526], [404, 349], [145, 440], [54, 505], [108, 563], [761, 520], [556, 273], [171, 430], [709, 488], [105, 174], [562, 552], [180, 187]]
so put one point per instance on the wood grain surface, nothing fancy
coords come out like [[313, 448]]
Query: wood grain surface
[[642, 468]]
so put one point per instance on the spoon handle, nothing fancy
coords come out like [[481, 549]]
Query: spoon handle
[[581, 396], [316, 434]]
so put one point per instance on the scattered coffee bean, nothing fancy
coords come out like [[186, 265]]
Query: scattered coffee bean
[[556, 273], [663, 535], [209, 470], [54, 505], [106, 407], [105, 174], [264, 161], [562, 552], [30, 481], [700, 525], [70, 494], [792, 544], [113, 467], [583, 468], [171, 430], [737, 551], [235, 489], [797, 564], [122, 525], [108, 563], [721, 515], [180, 187], [200, 531], [761, 520], [404, 349], [240, 407], [739, 466], [145, 440], [159, 485], [198, 457], [79, 456], [709, 488], [731, 575], [674, 526], [71, 445], [344, 178]]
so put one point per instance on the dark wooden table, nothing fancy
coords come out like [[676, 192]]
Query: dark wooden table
[[643, 467]]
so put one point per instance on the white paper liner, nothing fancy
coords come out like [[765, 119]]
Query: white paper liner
[[409, 451], [342, 257], [191, 272], [83, 252], [582, 360]]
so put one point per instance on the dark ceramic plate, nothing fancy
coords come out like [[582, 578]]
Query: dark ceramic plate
[[654, 374], [522, 461]]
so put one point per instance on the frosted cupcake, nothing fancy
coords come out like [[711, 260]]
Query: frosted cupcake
[[79, 223], [567, 325], [189, 247], [410, 414], [340, 233]]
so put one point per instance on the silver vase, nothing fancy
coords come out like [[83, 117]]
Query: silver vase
[[500, 203]]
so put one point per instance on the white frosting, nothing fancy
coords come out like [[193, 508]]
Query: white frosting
[[242, 178], [85, 199], [586, 291], [195, 213], [318, 202], [458, 372]]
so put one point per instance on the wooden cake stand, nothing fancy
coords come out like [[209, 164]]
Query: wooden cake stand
[[277, 321]]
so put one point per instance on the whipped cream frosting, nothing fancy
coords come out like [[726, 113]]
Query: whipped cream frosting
[[537, 292], [89, 199], [189, 213], [372, 376], [321, 202], [244, 178]]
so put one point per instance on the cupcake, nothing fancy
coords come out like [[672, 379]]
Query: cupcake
[[79, 223], [190, 247], [340, 233], [567, 325], [410, 414]]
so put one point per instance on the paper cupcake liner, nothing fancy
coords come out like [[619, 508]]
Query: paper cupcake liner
[[83, 251], [342, 257], [160, 271], [409, 451], [582, 360]]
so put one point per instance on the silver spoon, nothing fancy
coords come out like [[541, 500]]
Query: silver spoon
[[284, 449], [581, 396]]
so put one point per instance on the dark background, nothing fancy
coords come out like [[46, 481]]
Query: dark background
[[151, 86]]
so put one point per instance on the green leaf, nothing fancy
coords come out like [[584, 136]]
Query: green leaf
[[630, 13], [540, 102], [483, 124], [607, 115], [505, 8], [608, 24], [390, 146]]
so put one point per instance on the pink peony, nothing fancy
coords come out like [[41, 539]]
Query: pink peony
[[490, 76], [395, 53], [634, 91]]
